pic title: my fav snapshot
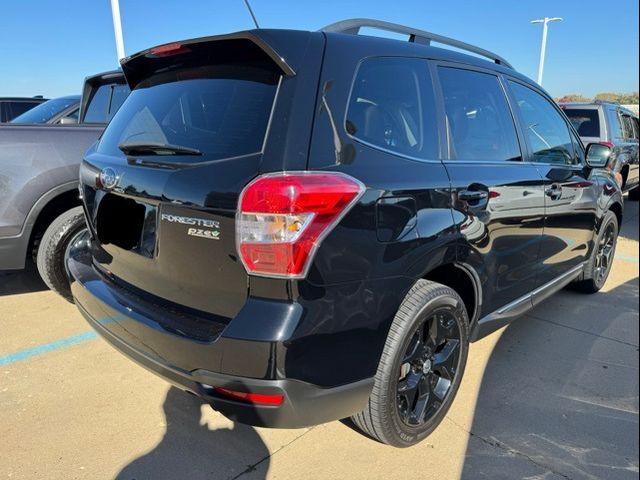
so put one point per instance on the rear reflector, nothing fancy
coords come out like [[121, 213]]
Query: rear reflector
[[253, 398], [282, 219]]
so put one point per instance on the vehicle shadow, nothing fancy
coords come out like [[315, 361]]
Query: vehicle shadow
[[190, 449], [559, 396], [21, 281]]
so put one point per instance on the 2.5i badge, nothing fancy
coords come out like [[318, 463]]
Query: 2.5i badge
[[202, 227]]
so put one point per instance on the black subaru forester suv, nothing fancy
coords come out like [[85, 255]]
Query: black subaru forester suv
[[300, 227]]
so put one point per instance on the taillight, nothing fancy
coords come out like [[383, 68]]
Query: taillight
[[282, 219], [611, 145]]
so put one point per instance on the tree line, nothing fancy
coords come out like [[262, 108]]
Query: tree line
[[621, 98]]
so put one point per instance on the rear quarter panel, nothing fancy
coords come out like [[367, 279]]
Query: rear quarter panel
[[34, 160]]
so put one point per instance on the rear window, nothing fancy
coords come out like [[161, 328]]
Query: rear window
[[222, 111], [18, 108], [105, 102], [586, 121]]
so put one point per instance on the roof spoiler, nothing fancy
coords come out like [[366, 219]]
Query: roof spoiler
[[353, 26], [233, 48]]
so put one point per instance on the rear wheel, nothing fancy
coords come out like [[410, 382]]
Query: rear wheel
[[53, 247], [599, 266], [633, 194], [421, 367]]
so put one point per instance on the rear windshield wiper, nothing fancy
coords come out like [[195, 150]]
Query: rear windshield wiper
[[151, 148]]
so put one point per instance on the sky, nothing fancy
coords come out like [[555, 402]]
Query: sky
[[47, 47]]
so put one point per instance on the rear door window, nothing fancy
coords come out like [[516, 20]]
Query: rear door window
[[392, 108], [586, 121], [545, 128], [479, 121], [222, 111]]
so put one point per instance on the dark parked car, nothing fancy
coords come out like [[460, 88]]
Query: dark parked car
[[40, 210], [616, 127], [11, 107], [304, 226], [57, 111]]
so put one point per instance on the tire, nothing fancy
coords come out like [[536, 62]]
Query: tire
[[594, 278], [53, 246], [388, 416], [634, 194]]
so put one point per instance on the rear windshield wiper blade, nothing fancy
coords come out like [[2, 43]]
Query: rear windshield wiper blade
[[157, 149]]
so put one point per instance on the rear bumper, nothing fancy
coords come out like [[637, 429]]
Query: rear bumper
[[198, 366]]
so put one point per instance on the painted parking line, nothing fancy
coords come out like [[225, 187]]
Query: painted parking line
[[47, 347], [53, 346], [626, 258]]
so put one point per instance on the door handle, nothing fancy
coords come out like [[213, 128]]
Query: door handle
[[473, 195], [554, 191]]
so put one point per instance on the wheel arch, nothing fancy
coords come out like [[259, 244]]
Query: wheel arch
[[462, 278], [47, 208]]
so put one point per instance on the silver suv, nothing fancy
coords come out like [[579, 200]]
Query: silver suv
[[616, 127]]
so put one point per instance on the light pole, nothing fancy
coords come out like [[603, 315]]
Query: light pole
[[543, 48], [117, 28]]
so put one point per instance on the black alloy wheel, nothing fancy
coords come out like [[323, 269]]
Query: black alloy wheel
[[428, 368]]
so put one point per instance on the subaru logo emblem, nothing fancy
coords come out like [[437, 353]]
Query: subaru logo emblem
[[108, 178]]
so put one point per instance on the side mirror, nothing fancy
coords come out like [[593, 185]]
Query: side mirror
[[67, 121], [598, 155]]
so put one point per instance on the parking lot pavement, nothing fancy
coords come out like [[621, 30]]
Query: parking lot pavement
[[552, 396]]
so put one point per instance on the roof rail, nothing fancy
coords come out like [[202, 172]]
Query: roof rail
[[353, 26]]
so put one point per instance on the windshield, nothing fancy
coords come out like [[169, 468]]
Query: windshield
[[221, 111], [47, 110]]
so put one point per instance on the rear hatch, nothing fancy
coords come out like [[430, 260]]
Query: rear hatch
[[161, 187]]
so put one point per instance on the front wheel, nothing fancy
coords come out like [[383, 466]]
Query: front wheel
[[599, 265], [421, 367], [634, 194], [57, 238]]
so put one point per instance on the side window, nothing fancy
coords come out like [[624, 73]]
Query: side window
[[74, 114], [628, 127], [479, 122], [615, 124], [545, 128], [636, 128], [578, 148], [392, 107]]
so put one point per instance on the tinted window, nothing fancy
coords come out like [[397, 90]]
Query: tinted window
[[46, 111], [98, 106], [545, 128], [105, 102], [585, 120], [479, 120], [392, 107], [18, 108], [222, 111]]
